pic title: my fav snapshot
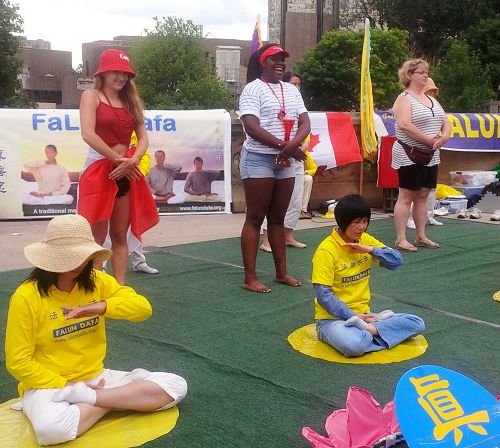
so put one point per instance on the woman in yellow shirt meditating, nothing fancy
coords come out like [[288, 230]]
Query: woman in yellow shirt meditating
[[56, 338], [341, 276]]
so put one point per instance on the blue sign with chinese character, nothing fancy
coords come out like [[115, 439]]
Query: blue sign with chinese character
[[441, 408]]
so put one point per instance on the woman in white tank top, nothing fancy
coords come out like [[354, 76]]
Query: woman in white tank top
[[421, 123]]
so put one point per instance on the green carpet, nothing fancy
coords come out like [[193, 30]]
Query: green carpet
[[247, 387]]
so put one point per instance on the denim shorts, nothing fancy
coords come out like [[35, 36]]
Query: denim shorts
[[254, 165]]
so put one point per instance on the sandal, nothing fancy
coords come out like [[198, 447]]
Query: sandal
[[426, 243], [406, 247]]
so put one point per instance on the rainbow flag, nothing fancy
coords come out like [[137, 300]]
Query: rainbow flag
[[368, 138], [256, 40]]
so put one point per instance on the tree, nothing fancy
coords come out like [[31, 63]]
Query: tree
[[430, 23], [78, 71], [332, 69], [464, 85], [484, 38], [173, 71], [10, 63]]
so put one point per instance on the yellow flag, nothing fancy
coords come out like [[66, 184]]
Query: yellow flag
[[368, 138]]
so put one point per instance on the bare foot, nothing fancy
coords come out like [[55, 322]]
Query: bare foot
[[256, 286], [288, 280]]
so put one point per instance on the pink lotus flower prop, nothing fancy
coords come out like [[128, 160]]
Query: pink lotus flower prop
[[361, 425]]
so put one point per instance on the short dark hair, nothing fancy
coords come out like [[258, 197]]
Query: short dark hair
[[160, 150], [198, 159], [349, 208], [45, 279], [288, 75], [51, 146]]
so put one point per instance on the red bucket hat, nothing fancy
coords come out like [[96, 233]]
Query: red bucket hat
[[114, 60], [271, 51]]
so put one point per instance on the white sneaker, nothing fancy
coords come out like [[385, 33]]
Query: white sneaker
[[495, 216], [146, 269], [462, 213], [442, 211], [411, 224], [433, 222], [475, 213]]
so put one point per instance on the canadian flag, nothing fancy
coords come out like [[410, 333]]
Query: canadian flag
[[333, 141]]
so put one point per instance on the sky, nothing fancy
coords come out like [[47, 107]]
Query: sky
[[66, 24]]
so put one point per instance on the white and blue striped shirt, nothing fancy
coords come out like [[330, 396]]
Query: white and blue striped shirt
[[257, 99], [429, 120]]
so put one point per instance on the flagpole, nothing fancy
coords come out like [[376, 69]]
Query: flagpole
[[361, 174]]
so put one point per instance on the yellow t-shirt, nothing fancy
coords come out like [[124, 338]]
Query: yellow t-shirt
[[145, 162], [44, 350], [347, 273], [310, 166]]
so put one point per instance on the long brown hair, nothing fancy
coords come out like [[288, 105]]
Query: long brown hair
[[129, 97]]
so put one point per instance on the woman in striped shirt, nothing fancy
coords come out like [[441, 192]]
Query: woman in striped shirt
[[267, 164], [421, 124]]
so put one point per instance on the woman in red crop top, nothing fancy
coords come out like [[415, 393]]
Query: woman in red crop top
[[113, 194]]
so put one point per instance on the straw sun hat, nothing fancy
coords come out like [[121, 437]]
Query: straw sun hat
[[68, 244], [431, 86]]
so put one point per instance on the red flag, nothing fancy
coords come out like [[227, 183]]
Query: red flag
[[387, 176], [333, 139]]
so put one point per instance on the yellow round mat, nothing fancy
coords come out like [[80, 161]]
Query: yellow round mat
[[305, 340], [120, 429], [496, 296]]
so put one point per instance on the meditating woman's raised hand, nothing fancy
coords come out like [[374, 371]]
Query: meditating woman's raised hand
[[77, 312]]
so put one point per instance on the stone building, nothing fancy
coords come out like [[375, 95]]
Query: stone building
[[47, 75], [298, 25]]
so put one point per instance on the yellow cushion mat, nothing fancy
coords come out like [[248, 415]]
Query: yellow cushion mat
[[120, 429], [496, 296], [305, 340]]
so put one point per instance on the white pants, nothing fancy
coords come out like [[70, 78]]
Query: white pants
[[138, 258], [308, 185], [293, 210], [57, 421]]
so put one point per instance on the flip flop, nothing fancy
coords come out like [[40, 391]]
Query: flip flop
[[409, 248]]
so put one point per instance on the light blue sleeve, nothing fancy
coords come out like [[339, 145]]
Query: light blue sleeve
[[389, 258], [331, 303]]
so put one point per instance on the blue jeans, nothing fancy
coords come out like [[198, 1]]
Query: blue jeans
[[352, 342]]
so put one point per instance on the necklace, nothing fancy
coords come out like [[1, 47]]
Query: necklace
[[282, 112]]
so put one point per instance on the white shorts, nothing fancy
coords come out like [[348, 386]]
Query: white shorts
[[57, 421]]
